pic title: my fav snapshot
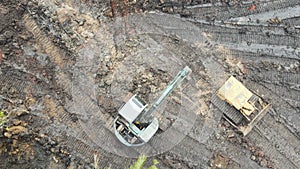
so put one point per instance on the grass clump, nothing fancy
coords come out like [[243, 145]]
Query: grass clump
[[139, 164], [3, 118]]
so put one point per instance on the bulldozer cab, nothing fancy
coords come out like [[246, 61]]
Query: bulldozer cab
[[236, 94]]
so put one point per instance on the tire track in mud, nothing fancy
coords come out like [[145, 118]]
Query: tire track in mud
[[205, 151], [283, 83], [283, 140], [277, 156], [81, 146], [227, 12], [255, 41], [287, 93], [65, 82], [283, 109], [275, 130], [255, 38], [295, 21], [16, 82], [240, 28], [248, 33], [68, 128], [43, 40], [191, 151], [56, 54], [277, 52], [10, 80], [275, 77], [64, 125], [256, 56]]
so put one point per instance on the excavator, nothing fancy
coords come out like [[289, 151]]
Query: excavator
[[136, 123]]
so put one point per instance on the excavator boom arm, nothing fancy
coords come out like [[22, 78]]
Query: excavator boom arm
[[148, 113]]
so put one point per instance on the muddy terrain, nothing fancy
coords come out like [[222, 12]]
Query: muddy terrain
[[66, 66]]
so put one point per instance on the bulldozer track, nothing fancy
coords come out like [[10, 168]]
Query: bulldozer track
[[209, 148], [249, 33], [270, 149], [8, 81], [55, 56], [278, 105], [227, 109], [284, 84], [225, 12], [78, 142], [257, 55], [240, 28], [184, 148], [277, 77], [289, 93], [255, 38], [295, 21], [81, 145], [284, 141], [22, 83], [44, 41]]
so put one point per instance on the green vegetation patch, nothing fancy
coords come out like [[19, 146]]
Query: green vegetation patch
[[3, 118]]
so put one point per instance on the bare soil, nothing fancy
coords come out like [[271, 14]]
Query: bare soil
[[57, 55]]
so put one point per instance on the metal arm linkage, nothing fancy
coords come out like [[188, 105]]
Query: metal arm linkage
[[147, 115]]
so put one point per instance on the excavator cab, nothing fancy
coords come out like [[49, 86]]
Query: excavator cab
[[128, 129]]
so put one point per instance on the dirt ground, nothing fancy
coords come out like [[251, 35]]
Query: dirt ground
[[66, 65]]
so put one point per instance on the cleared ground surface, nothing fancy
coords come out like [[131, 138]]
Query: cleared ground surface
[[66, 65]]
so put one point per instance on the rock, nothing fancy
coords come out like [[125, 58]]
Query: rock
[[22, 112], [178, 165], [252, 148], [8, 34], [153, 88], [109, 79], [52, 143], [17, 130], [64, 151], [7, 134], [87, 34], [72, 165], [263, 163], [55, 159], [260, 153], [17, 122], [253, 158], [230, 134], [218, 137], [54, 150], [42, 141], [245, 145]]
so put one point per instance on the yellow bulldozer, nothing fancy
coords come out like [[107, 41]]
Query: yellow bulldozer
[[241, 107]]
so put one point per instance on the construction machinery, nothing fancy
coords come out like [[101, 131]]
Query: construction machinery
[[136, 124], [241, 107]]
